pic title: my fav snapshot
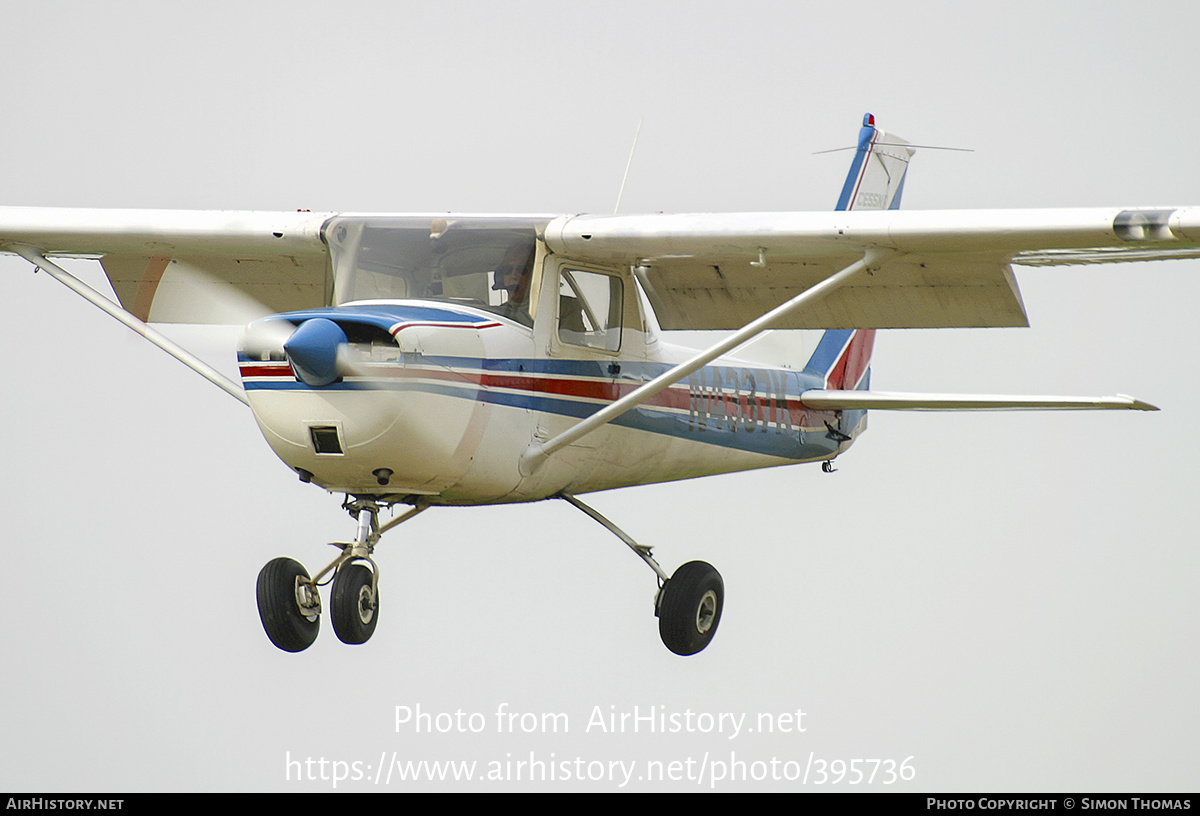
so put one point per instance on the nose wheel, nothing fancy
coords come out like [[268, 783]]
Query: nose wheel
[[289, 605], [354, 608]]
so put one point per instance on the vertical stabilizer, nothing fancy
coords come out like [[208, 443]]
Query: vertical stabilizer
[[875, 182], [842, 357], [876, 178]]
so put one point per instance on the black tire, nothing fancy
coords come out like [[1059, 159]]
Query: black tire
[[354, 608], [284, 622], [690, 608]]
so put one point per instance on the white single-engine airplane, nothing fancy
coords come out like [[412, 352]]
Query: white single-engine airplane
[[477, 359]]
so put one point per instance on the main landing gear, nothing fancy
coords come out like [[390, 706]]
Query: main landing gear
[[688, 604], [289, 603]]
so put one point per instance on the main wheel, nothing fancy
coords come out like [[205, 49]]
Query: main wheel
[[289, 626], [690, 608], [355, 606]]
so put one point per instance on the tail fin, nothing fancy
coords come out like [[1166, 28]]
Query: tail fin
[[876, 178], [842, 357], [875, 182]]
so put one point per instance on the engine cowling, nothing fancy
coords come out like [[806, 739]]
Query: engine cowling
[[360, 398]]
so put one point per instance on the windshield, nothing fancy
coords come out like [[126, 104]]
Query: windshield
[[483, 262]]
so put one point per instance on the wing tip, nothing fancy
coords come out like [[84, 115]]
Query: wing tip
[[1137, 404]]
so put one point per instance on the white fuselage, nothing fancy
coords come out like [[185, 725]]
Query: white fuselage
[[451, 408]]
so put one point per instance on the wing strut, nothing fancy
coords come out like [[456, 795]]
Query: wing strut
[[157, 338], [537, 453]]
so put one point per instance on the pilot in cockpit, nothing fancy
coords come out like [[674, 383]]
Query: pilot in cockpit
[[513, 276]]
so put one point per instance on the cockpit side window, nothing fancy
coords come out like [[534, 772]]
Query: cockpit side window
[[590, 309]]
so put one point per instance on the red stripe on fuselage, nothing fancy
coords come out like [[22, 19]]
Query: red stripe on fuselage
[[732, 404], [585, 389], [402, 326], [266, 370]]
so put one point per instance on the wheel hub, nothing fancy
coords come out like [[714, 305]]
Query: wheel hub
[[366, 605], [706, 612], [307, 599]]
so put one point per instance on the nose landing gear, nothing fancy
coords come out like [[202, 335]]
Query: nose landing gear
[[289, 603]]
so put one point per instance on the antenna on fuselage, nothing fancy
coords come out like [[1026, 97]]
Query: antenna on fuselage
[[625, 177]]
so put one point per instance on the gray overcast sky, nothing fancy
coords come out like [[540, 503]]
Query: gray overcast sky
[[1009, 599]]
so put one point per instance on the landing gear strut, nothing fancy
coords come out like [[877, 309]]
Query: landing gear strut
[[289, 603], [688, 604]]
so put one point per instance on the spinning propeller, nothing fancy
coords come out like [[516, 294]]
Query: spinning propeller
[[314, 349]]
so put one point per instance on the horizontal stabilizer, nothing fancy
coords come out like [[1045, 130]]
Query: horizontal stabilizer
[[899, 401]]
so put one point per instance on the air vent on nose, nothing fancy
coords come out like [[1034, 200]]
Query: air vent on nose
[[325, 439]]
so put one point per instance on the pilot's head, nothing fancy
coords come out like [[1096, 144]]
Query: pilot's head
[[513, 273]]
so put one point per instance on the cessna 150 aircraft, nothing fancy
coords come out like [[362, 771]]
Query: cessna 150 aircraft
[[424, 360]]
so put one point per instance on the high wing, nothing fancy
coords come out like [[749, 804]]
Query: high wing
[[701, 271], [934, 269]]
